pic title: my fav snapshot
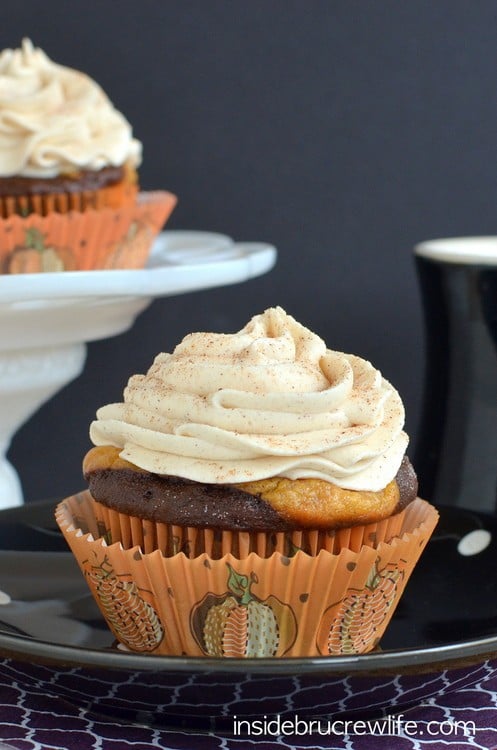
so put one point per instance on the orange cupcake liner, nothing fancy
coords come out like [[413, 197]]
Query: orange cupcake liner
[[86, 240], [338, 600], [132, 531], [119, 194]]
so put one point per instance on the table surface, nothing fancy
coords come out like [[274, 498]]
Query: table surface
[[32, 720]]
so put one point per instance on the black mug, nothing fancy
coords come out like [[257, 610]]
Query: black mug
[[456, 451]]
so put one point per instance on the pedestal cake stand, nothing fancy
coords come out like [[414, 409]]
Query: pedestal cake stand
[[47, 319]]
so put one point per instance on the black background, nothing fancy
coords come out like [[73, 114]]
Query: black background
[[342, 132]]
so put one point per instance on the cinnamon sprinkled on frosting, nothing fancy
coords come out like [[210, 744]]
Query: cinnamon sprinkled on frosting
[[270, 400]]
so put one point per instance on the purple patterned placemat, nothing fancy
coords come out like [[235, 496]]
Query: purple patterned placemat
[[31, 719]]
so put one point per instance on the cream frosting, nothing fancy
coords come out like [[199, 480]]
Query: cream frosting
[[270, 400], [54, 119]]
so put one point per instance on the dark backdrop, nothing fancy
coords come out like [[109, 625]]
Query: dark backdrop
[[342, 132]]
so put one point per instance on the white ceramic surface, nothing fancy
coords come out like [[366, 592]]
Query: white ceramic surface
[[46, 319], [475, 250]]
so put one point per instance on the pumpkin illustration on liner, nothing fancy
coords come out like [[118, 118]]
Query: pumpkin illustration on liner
[[35, 257], [133, 249], [239, 624], [355, 624], [133, 620]]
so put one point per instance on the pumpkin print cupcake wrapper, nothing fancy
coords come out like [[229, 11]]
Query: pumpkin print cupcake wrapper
[[84, 240], [300, 604], [42, 204], [132, 531]]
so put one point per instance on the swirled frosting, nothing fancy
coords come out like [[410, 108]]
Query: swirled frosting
[[55, 120], [270, 400]]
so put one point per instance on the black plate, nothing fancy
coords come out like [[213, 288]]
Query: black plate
[[443, 636]]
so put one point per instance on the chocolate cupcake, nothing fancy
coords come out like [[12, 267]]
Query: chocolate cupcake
[[256, 468], [63, 145], [65, 149]]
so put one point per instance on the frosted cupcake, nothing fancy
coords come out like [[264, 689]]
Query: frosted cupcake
[[248, 483], [64, 149]]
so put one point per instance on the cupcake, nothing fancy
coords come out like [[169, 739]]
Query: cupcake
[[68, 170], [251, 496]]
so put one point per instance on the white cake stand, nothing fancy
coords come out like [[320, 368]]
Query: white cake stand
[[46, 319]]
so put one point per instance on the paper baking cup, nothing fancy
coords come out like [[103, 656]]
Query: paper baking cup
[[110, 196], [247, 605], [132, 531], [84, 240]]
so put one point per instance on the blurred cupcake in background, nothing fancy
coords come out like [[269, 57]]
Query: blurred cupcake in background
[[69, 190]]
